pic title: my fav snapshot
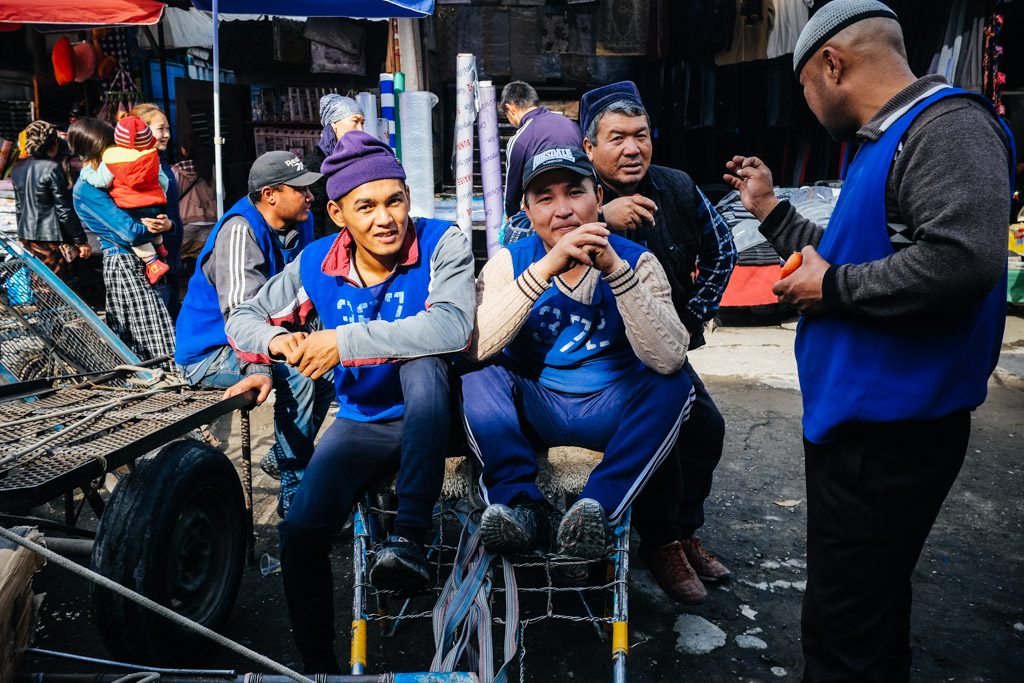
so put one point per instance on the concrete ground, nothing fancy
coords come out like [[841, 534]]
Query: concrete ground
[[968, 621]]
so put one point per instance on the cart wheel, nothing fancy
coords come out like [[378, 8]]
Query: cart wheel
[[173, 531]]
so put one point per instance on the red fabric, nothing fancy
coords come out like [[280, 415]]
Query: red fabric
[[92, 13], [751, 286], [137, 183]]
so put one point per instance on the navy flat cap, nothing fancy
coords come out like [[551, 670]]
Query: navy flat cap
[[594, 102]]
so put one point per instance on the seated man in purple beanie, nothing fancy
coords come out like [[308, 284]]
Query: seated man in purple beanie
[[393, 296]]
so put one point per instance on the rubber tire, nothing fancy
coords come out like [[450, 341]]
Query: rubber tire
[[174, 531]]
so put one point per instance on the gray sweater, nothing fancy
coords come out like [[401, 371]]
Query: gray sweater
[[947, 204]]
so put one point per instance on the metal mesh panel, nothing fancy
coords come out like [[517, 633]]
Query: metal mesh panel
[[45, 330]]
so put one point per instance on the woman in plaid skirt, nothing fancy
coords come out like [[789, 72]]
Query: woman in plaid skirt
[[134, 311]]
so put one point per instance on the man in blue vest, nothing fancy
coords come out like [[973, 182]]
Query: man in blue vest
[[586, 350], [391, 297], [251, 244], [903, 300]]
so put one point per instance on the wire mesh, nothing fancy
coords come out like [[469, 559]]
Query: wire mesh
[[44, 328]]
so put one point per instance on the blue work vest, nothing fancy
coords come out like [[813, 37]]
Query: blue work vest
[[572, 347], [370, 390], [200, 328], [887, 370]]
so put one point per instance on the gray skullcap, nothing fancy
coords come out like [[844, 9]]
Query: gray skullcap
[[337, 107], [830, 20]]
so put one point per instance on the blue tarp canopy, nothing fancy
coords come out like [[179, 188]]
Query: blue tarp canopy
[[353, 9]]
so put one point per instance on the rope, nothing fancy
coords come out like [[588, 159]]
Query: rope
[[179, 620]]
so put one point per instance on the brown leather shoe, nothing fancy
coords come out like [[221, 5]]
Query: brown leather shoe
[[674, 574], [704, 563]]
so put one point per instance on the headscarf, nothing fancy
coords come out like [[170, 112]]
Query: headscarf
[[333, 108], [39, 137]]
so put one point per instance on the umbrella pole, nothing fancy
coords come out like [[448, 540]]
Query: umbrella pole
[[218, 141]]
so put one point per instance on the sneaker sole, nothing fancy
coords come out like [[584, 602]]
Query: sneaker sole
[[583, 531], [500, 534]]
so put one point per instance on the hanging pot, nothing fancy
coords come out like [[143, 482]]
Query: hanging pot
[[85, 61], [63, 61]]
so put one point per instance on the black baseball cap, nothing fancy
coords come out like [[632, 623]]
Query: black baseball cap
[[280, 168], [571, 158]]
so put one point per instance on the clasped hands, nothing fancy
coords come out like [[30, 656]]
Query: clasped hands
[[312, 354], [587, 244]]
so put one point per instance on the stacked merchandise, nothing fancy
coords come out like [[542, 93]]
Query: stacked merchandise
[[758, 266], [8, 218], [277, 107]]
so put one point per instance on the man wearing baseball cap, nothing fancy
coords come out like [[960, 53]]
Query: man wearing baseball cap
[[250, 244], [585, 349], [393, 299]]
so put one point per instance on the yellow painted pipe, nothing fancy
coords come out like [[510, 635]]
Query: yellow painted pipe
[[620, 638], [359, 643]]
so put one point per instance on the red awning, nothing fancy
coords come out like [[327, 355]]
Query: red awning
[[91, 13]]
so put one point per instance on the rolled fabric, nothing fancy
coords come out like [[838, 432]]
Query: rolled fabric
[[490, 165], [416, 134], [387, 107], [465, 115], [368, 103]]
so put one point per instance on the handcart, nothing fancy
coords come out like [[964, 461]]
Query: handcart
[[521, 590], [78, 407]]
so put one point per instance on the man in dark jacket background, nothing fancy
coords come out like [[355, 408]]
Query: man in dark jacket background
[[662, 209]]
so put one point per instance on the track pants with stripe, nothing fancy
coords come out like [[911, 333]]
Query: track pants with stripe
[[635, 422]]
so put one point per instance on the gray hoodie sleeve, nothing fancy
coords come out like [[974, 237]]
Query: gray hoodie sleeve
[[236, 266], [949, 186], [444, 327]]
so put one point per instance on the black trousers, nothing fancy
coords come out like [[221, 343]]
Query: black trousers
[[671, 506], [872, 497]]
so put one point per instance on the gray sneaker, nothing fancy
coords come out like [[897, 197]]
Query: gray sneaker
[[269, 465], [582, 534], [508, 530]]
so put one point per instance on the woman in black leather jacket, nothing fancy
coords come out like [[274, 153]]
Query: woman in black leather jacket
[[47, 223]]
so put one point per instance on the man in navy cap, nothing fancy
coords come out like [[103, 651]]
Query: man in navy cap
[[389, 299], [250, 244], [586, 350], [661, 209], [904, 303]]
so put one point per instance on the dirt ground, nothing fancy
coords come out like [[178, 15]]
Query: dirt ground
[[968, 620]]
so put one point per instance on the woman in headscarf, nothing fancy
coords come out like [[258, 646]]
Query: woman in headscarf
[[338, 115], [134, 310], [47, 224], [157, 121]]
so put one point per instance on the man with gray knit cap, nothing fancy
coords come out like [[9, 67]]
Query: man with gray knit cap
[[903, 299], [392, 298], [338, 115]]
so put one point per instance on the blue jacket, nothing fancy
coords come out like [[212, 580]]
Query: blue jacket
[[117, 231], [871, 371], [200, 327], [174, 236]]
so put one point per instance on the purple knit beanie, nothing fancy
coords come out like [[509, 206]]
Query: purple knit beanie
[[359, 158]]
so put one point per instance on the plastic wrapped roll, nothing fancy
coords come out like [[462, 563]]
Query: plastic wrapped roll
[[387, 106], [490, 165], [368, 103], [465, 115], [417, 138]]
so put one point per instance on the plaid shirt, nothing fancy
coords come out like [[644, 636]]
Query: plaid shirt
[[716, 253]]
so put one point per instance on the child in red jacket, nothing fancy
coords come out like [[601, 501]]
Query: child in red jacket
[[131, 170]]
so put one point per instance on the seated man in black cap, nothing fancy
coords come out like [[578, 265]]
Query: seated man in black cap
[[250, 244], [585, 350]]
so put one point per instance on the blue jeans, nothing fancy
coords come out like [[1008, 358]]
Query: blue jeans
[[350, 456], [300, 403], [634, 421]]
